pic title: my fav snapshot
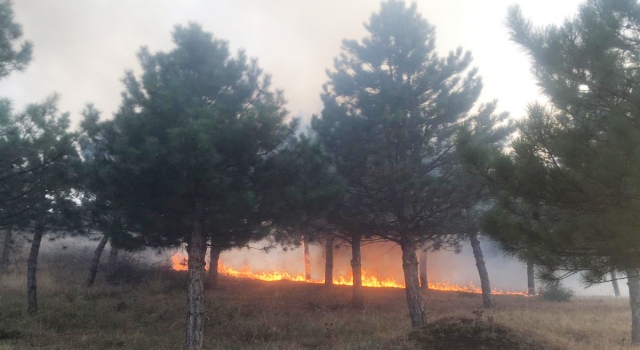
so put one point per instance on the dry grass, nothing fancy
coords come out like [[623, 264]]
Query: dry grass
[[278, 315]]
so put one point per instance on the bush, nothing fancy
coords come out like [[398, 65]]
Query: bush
[[556, 292]]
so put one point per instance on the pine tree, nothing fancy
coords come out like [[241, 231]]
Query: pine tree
[[37, 157], [391, 111], [12, 58], [43, 181], [187, 145], [567, 193], [101, 215], [304, 189], [13, 146]]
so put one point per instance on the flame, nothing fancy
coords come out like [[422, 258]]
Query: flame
[[179, 263]]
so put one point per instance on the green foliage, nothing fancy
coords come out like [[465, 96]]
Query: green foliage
[[555, 291], [37, 152], [392, 108], [38, 178], [567, 192], [10, 32], [303, 189], [100, 212], [191, 139]]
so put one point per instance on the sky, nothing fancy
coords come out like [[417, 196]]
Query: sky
[[83, 48]]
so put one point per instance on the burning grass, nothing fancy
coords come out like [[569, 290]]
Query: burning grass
[[249, 314], [179, 263]]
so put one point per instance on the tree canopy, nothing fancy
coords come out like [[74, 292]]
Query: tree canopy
[[188, 143], [567, 190], [392, 108]]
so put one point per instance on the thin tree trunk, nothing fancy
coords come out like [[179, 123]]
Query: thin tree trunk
[[93, 269], [424, 283], [307, 259], [328, 266], [482, 270], [112, 263], [195, 298], [6, 250], [214, 257], [531, 278], [356, 268], [614, 281], [633, 281], [412, 283], [32, 269]]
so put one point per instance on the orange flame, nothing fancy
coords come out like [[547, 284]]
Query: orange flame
[[179, 263]]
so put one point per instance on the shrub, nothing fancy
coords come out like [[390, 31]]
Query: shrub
[[556, 292]]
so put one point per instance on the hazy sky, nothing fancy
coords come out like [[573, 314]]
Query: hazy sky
[[82, 48]]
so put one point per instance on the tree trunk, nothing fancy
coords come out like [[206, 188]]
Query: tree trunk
[[356, 268], [195, 298], [112, 263], [614, 281], [93, 269], [307, 259], [6, 250], [633, 281], [214, 257], [328, 266], [531, 278], [424, 283], [482, 270], [412, 283], [32, 269]]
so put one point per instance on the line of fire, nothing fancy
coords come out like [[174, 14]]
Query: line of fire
[[179, 263]]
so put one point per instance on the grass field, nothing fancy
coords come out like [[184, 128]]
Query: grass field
[[244, 314]]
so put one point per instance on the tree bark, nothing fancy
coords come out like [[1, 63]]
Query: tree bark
[[195, 298], [614, 281], [424, 283], [112, 263], [328, 266], [531, 278], [6, 250], [356, 267], [412, 283], [214, 257], [93, 269], [307, 258], [482, 270], [32, 269], [633, 281]]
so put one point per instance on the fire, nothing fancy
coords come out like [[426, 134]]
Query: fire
[[368, 281], [179, 263]]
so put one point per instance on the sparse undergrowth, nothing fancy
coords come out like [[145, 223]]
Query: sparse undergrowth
[[556, 292], [245, 314]]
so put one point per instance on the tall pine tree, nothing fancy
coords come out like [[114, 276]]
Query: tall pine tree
[[568, 192], [187, 143], [391, 110]]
